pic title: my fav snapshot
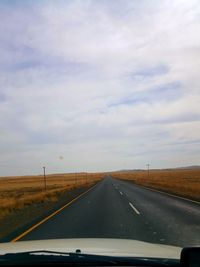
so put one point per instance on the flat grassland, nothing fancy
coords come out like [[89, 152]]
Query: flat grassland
[[182, 182], [17, 192]]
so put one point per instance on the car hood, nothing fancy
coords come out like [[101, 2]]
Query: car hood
[[97, 246]]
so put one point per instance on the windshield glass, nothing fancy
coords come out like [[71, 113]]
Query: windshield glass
[[99, 135]]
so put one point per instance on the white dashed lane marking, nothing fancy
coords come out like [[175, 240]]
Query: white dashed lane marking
[[136, 211]]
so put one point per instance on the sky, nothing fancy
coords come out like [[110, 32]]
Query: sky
[[99, 85]]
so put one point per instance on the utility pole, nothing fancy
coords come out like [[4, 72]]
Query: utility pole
[[45, 182], [148, 165], [76, 178]]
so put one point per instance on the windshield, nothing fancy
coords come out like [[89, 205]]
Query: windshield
[[99, 135]]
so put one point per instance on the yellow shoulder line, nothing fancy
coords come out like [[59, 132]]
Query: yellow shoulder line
[[50, 216]]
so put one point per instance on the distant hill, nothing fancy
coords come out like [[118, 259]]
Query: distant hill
[[177, 168], [190, 167], [134, 170]]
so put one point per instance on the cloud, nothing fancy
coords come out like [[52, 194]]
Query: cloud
[[105, 84]]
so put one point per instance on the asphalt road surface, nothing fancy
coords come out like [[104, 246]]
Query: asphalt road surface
[[119, 209]]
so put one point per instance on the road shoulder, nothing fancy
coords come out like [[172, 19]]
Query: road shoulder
[[21, 219]]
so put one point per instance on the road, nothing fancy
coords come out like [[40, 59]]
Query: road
[[119, 209]]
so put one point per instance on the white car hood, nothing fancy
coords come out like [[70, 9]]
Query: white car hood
[[97, 246]]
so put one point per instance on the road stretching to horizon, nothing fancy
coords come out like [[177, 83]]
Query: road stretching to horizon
[[120, 209]]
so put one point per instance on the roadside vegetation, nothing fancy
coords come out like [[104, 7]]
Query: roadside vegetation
[[18, 192], [182, 182]]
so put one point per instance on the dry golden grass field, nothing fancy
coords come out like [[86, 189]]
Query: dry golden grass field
[[16, 192], [183, 182]]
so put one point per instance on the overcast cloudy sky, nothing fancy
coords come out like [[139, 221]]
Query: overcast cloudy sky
[[99, 85]]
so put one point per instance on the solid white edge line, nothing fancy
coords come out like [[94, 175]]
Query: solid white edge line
[[120, 192], [162, 192], [134, 208]]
